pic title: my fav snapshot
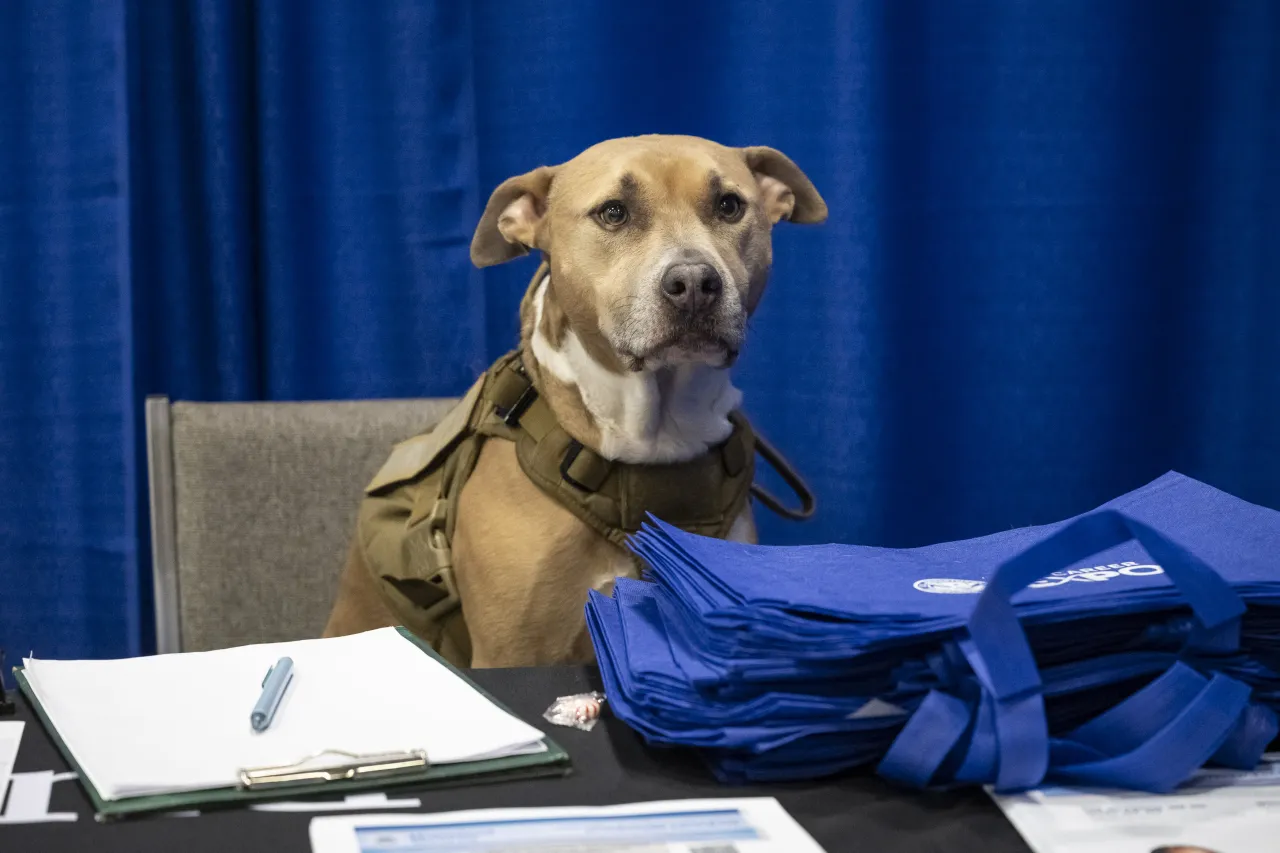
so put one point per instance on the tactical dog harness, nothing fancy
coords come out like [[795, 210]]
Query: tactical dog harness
[[407, 521]]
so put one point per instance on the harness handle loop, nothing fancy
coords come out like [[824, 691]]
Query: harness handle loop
[[808, 503]]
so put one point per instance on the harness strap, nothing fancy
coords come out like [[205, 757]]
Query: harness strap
[[518, 405], [428, 543], [704, 495]]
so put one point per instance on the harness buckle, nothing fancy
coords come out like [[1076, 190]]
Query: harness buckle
[[585, 471], [570, 456], [434, 592], [512, 414], [437, 542]]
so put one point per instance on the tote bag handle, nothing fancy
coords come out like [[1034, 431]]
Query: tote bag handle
[[998, 652], [1151, 741], [1158, 737], [1000, 655]]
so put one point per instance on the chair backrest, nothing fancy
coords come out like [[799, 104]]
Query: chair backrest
[[253, 506]]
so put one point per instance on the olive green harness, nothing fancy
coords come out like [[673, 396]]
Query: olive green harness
[[408, 521]]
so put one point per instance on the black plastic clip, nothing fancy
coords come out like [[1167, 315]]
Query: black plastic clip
[[570, 456], [511, 416]]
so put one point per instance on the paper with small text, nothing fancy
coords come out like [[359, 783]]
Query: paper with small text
[[752, 825], [1217, 811]]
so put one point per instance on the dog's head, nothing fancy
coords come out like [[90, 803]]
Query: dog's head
[[659, 246]]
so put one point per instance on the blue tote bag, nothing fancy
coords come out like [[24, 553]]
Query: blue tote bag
[[1014, 664]]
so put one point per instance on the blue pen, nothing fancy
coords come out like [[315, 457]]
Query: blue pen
[[273, 688]]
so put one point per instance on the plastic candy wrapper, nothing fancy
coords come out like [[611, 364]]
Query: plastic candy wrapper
[[581, 711]]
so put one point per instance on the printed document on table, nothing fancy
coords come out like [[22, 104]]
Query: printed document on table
[[1217, 811], [752, 825]]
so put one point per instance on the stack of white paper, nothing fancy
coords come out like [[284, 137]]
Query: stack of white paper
[[175, 723]]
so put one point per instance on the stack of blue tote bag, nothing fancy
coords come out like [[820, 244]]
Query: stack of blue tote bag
[[1127, 647]]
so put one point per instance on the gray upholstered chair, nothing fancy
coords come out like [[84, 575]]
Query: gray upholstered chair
[[252, 510]]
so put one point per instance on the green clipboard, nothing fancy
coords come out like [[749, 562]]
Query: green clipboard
[[553, 762]]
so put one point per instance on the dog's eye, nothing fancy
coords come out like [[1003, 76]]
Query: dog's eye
[[730, 207], [613, 214]]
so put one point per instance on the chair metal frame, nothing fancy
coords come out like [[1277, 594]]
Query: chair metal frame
[[164, 524]]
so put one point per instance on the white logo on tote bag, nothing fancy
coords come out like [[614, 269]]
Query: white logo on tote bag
[[949, 586], [1098, 573], [1093, 574]]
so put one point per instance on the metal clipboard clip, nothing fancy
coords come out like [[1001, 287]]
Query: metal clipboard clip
[[358, 767]]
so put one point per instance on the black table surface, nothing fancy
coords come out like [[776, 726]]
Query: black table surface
[[856, 812]]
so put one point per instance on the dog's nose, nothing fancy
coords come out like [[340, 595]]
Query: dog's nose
[[691, 287]]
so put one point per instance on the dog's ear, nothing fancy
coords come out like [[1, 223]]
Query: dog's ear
[[512, 218], [786, 191]]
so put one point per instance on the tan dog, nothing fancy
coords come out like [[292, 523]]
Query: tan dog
[[657, 250]]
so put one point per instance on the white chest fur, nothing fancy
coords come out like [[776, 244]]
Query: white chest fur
[[653, 416]]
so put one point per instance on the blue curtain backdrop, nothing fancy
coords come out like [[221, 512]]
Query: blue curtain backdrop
[[1051, 272]]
